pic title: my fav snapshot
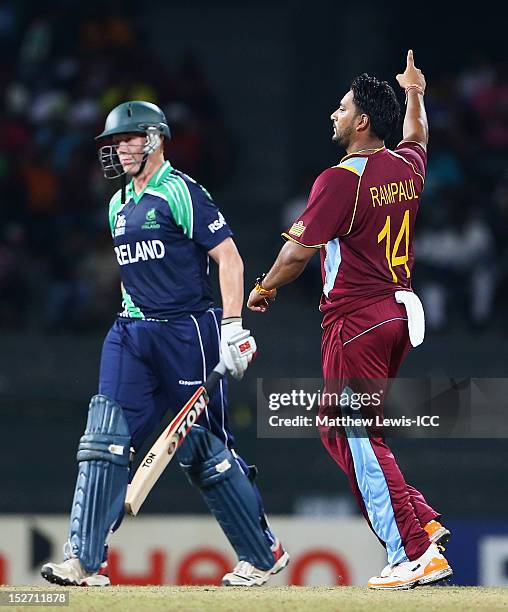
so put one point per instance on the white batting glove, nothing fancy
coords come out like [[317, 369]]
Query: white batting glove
[[237, 346]]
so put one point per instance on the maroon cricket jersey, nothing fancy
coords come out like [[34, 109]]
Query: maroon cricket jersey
[[361, 214]]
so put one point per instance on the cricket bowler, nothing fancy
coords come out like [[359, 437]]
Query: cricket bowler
[[360, 216], [160, 349]]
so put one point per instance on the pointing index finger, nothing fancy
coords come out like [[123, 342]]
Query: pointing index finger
[[410, 59]]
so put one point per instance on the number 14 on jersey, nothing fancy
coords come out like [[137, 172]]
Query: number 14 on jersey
[[392, 257]]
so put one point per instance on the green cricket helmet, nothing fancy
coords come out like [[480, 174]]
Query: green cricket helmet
[[135, 117]]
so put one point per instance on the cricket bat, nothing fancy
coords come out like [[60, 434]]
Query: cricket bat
[[164, 448]]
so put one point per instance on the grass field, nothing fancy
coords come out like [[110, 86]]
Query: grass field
[[276, 599]]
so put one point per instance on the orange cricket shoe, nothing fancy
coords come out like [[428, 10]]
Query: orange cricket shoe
[[431, 567], [438, 534]]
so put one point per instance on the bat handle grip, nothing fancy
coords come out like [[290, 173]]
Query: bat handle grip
[[215, 375]]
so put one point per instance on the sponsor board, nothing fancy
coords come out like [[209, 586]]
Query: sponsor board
[[478, 552], [193, 550]]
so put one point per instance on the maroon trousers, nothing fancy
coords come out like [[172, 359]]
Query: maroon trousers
[[360, 352]]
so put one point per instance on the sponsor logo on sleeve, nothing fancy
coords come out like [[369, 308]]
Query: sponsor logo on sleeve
[[218, 224], [297, 229]]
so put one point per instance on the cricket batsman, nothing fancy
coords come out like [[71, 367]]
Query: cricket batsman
[[161, 348], [360, 216]]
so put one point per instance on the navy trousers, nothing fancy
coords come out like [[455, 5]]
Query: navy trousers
[[149, 367]]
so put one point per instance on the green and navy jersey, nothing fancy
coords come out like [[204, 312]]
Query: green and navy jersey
[[161, 238]]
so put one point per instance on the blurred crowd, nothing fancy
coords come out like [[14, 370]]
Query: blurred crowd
[[461, 268], [65, 71], [461, 250]]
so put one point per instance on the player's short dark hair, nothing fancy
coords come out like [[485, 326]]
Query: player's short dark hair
[[376, 99]]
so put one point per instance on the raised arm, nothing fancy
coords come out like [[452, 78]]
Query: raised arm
[[415, 127]]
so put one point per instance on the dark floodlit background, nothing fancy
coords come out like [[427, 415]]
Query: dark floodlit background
[[247, 89]]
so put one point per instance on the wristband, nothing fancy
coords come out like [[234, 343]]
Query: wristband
[[418, 88], [258, 287]]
